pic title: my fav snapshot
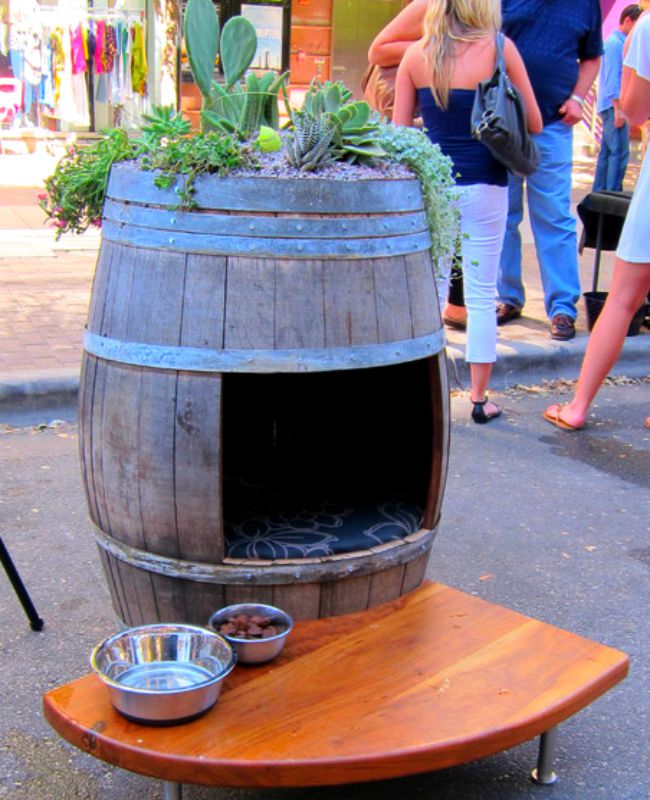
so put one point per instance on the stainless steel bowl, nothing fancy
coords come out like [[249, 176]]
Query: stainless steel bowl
[[254, 651], [163, 674]]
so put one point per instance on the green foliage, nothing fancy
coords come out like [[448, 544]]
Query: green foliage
[[204, 153], [163, 122], [201, 31], [435, 172], [355, 129], [238, 47], [268, 140], [236, 108], [243, 109], [77, 188]]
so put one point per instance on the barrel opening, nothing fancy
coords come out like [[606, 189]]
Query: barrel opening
[[325, 463]]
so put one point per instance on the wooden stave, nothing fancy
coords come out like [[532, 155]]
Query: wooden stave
[[210, 272]]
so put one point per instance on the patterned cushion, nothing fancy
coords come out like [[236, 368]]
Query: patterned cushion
[[255, 530]]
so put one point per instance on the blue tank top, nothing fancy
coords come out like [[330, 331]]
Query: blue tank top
[[450, 129]]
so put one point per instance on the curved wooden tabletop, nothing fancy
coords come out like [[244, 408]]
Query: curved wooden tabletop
[[433, 679]]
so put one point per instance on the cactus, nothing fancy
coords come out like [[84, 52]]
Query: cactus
[[234, 108], [238, 47], [201, 29]]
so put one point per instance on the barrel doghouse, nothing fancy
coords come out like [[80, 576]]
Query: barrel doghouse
[[264, 397]]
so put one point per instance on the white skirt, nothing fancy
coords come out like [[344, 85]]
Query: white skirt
[[634, 244]]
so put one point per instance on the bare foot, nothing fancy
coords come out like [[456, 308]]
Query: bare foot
[[563, 416]]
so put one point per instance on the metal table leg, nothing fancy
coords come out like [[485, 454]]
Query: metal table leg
[[35, 621], [172, 790], [543, 772]]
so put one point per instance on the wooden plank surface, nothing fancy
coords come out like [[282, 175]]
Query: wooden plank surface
[[433, 679]]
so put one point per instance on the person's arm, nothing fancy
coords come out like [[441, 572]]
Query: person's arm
[[635, 86], [519, 77], [405, 91], [635, 96], [609, 80], [392, 42], [571, 109]]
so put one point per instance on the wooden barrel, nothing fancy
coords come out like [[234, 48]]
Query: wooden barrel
[[264, 398]]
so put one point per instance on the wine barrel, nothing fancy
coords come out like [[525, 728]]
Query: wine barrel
[[264, 409]]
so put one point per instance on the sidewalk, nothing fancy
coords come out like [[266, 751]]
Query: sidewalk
[[46, 287]]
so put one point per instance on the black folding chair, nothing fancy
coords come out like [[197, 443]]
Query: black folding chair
[[603, 215], [19, 587]]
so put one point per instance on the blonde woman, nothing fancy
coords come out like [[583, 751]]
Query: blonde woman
[[439, 74]]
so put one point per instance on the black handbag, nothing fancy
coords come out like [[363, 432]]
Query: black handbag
[[499, 121]]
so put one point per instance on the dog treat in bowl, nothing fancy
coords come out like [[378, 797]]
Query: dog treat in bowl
[[257, 631], [254, 626]]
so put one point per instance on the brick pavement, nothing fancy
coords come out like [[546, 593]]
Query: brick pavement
[[43, 306]]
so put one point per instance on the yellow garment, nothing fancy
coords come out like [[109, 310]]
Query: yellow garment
[[58, 61], [139, 61]]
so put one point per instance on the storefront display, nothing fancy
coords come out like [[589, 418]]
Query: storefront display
[[82, 66], [91, 64]]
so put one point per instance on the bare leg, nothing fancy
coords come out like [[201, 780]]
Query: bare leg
[[479, 379], [630, 284]]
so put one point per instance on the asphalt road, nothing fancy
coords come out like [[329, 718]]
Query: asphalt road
[[549, 523]]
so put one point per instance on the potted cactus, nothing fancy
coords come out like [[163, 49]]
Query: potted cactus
[[233, 261]]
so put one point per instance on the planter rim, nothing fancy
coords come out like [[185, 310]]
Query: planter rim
[[310, 195]]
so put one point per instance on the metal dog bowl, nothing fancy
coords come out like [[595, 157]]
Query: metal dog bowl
[[254, 651], [163, 674]]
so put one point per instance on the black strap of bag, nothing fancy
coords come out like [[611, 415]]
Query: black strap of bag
[[498, 120]]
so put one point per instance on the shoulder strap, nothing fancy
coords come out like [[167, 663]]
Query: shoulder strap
[[500, 60]]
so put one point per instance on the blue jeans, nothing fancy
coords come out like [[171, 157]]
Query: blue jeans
[[554, 227], [613, 155]]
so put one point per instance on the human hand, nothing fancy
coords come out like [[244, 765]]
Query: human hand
[[571, 111], [619, 118]]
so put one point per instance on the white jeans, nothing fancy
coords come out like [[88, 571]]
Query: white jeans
[[483, 213]]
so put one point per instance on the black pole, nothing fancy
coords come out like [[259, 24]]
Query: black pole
[[19, 587]]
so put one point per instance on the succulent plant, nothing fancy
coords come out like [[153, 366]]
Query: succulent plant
[[355, 129], [237, 108], [309, 146]]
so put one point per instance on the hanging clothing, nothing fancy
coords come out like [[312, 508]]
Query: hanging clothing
[[100, 35], [78, 50], [139, 61]]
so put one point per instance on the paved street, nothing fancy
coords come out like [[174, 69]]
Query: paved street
[[551, 524]]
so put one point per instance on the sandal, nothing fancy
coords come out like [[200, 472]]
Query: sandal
[[555, 419], [478, 412]]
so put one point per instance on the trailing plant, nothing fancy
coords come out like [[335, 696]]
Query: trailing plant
[[75, 192], [204, 153], [354, 129], [235, 108], [412, 147]]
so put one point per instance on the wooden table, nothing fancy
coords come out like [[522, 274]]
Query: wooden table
[[431, 680]]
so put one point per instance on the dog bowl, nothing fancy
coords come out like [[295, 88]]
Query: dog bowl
[[254, 650], [163, 674]]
